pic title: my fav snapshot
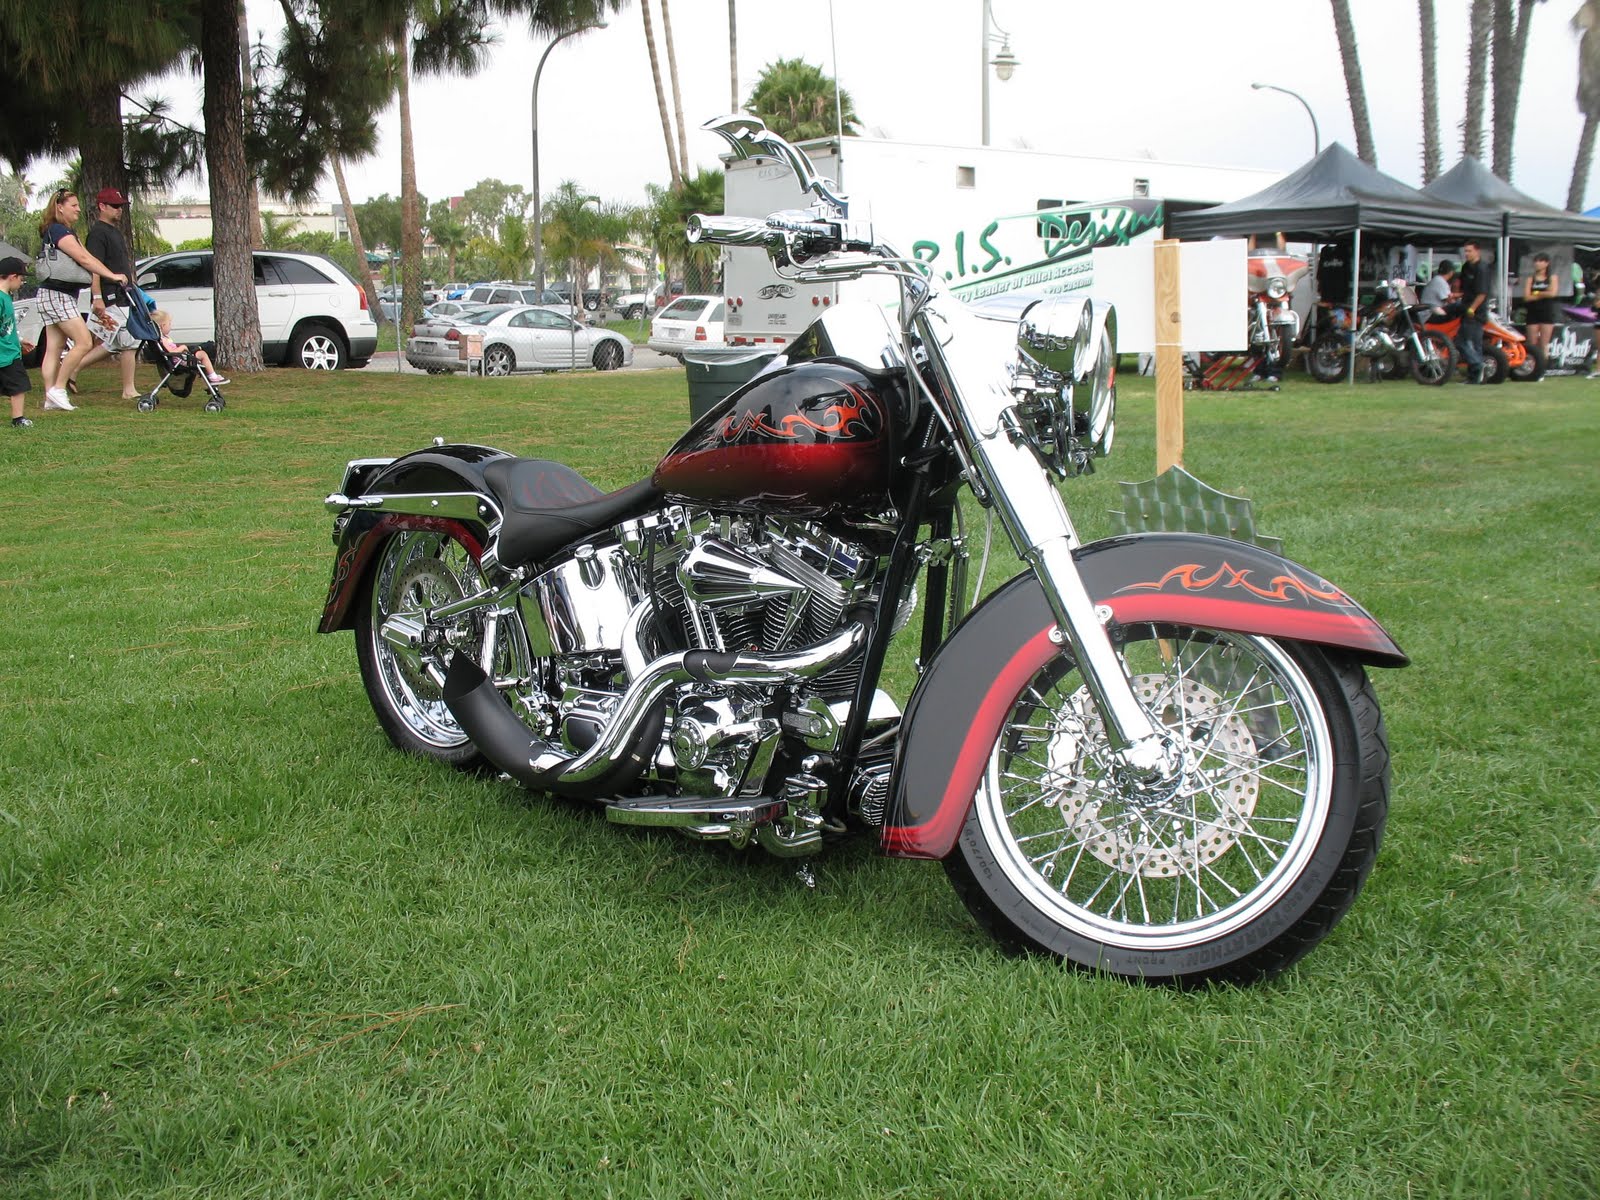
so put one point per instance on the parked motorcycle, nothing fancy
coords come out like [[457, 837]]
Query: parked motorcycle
[[1388, 336], [1274, 325], [1156, 756], [1505, 351]]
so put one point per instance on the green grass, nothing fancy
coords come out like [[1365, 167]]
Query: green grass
[[247, 950]]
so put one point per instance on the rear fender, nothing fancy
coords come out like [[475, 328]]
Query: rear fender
[[956, 712], [452, 475]]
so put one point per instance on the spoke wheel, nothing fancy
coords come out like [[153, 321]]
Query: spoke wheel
[[1230, 866], [417, 571], [1437, 362], [1329, 360]]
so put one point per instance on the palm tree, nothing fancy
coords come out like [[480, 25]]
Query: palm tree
[[1431, 155], [666, 218], [1344, 29], [448, 232], [797, 101], [276, 230], [661, 97], [1478, 36], [677, 92], [733, 56], [1510, 49], [1587, 22]]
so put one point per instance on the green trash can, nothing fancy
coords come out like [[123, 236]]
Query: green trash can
[[715, 372]]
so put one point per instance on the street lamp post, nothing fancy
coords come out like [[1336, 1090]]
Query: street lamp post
[[1004, 63], [1316, 136], [538, 199]]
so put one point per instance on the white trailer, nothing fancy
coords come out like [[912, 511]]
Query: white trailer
[[985, 220]]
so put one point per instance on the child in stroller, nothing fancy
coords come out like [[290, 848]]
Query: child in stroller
[[180, 365], [182, 355]]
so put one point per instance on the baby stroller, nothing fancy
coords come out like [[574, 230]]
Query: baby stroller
[[179, 370]]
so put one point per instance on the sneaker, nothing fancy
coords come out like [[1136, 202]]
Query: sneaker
[[215, 380], [21, 423], [56, 398]]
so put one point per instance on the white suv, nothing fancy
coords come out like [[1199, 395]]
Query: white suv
[[313, 314]]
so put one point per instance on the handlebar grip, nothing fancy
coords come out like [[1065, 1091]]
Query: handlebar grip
[[730, 231]]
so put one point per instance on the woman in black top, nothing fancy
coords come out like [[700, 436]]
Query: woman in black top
[[1539, 290], [58, 299]]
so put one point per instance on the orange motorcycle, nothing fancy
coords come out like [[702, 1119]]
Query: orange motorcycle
[[1505, 351]]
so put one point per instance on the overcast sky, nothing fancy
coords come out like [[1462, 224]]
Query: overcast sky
[[1167, 79]]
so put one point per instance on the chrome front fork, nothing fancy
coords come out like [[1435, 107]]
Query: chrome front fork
[[1042, 531]]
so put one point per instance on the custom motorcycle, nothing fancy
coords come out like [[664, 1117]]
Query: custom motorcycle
[[1389, 336], [1156, 756], [1274, 325]]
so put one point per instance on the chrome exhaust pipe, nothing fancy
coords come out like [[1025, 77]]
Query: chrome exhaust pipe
[[627, 744]]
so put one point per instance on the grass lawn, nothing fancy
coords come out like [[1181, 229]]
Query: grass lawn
[[247, 950]]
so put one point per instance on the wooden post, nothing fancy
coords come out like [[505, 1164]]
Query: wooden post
[[1169, 357]]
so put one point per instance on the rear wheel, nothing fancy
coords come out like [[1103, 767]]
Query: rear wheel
[[1531, 368], [403, 671], [1229, 870], [607, 356], [635, 312], [498, 360], [1437, 361], [1329, 361]]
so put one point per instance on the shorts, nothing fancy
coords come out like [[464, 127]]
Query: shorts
[[14, 379], [55, 307]]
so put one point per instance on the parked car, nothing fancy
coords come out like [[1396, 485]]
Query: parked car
[[515, 293], [687, 322], [437, 317], [312, 313], [634, 305], [593, 298], [521, 338]]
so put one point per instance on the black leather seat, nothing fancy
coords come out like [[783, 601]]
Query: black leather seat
[[548, 505]]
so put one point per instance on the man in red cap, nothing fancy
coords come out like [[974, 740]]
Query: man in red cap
[[110, 304]]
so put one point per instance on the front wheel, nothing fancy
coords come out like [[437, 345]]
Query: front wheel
[[1496, 366], [1436, 363], [1228, 869], [1329, 361]]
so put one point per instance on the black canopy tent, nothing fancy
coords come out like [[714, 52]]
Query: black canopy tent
[[1334, 195], [1337, 195], [1472, 184]]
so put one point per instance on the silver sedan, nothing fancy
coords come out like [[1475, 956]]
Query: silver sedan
[[520, 338]]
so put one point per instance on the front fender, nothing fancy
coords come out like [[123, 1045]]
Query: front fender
[[357, 533], [956, 712]]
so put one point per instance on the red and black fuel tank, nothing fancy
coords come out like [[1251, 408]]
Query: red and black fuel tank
[[813, 438]]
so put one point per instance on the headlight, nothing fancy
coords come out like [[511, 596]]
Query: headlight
[[1066, 411], [1277, 287], [1053, 336]]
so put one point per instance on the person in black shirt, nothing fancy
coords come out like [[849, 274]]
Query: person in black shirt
[[110, 302], [1539, 290], [1474, 291]]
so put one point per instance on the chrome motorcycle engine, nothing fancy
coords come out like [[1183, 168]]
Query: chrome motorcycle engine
[[751, 588]]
